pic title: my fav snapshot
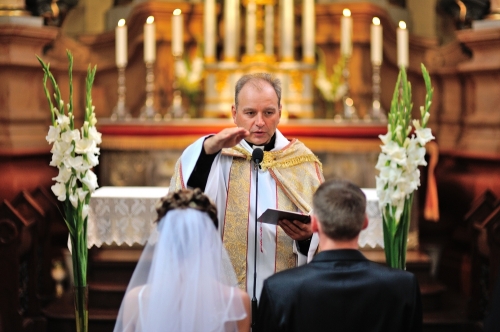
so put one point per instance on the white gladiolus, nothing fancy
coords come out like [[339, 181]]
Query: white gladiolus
[[75, 162], [399, 175], [74, 154], [82, 194], [90, 180], [92, 159], [424, 135], [53, 135], [73, 198], [63, 121], [402, 153], [395, 152], [64, 175], [59, 189], [85, 146], [85, 211], [95, 135], [93, 121], [70, 135]]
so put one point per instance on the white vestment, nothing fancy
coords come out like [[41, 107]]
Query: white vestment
[[269, 193]]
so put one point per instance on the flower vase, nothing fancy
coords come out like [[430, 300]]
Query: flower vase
[[81, 297], [396, 234]]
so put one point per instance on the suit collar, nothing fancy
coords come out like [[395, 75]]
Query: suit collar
[[339, 255]]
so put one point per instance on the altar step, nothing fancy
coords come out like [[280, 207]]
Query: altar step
[[111, 268]]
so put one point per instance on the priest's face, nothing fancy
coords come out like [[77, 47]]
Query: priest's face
[[258, 111]]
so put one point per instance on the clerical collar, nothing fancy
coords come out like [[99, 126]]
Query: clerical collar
[[268, 147]]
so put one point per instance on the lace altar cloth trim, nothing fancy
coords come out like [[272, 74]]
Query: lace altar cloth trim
[[122, 215], [373, 235], [127, 214]]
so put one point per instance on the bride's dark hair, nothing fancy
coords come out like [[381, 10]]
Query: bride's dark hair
[[187, 199]]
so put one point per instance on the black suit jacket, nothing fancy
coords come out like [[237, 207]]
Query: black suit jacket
[[340, 290]]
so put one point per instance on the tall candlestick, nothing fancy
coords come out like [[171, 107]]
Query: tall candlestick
[[376, 41], [346, 33], [177, 33], [402, 39], [150, 40], [121, 44]]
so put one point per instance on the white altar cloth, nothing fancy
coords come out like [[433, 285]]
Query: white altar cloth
[[127, 214], [122, 215]]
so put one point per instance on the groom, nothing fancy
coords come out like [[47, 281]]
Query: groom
[[340, 289]]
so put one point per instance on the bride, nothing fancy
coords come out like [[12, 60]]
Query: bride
[[184, 280]]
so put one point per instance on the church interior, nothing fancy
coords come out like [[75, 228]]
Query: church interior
[[156, 92]]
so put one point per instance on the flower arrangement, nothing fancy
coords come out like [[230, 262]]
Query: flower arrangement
[[74, 153], [331, 87], [403, 151], [188, 78]]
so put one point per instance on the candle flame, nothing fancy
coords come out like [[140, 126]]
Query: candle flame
[[346, 12], [177, 11], [150, 20], [402, 25], [376, 21]]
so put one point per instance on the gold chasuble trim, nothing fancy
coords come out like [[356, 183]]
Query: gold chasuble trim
[[236, 220], [179, 180], [285, 258]]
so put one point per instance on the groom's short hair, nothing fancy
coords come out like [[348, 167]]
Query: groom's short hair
[[340, 207]]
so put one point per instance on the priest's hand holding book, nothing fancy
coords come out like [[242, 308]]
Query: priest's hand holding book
[[295, 229], [295, 225]]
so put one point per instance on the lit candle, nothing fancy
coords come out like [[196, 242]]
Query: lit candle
[[121, 44], [251, 28], [346, 33], [376, 42], [230, 19], [150, 40], [308, 31], [269, 30], [209, 27], [402, 38], [177, 33], [287, 29]]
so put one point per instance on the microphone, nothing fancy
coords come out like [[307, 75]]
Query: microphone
[[257, 156]]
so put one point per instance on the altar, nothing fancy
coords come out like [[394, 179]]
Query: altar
[[126, 215], [144, 153]]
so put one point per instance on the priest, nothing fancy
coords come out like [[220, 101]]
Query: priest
[[221, 165]]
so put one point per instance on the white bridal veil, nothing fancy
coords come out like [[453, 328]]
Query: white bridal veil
[[184, 280]]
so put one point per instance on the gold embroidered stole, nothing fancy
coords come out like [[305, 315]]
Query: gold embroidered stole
[[235, 235]]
